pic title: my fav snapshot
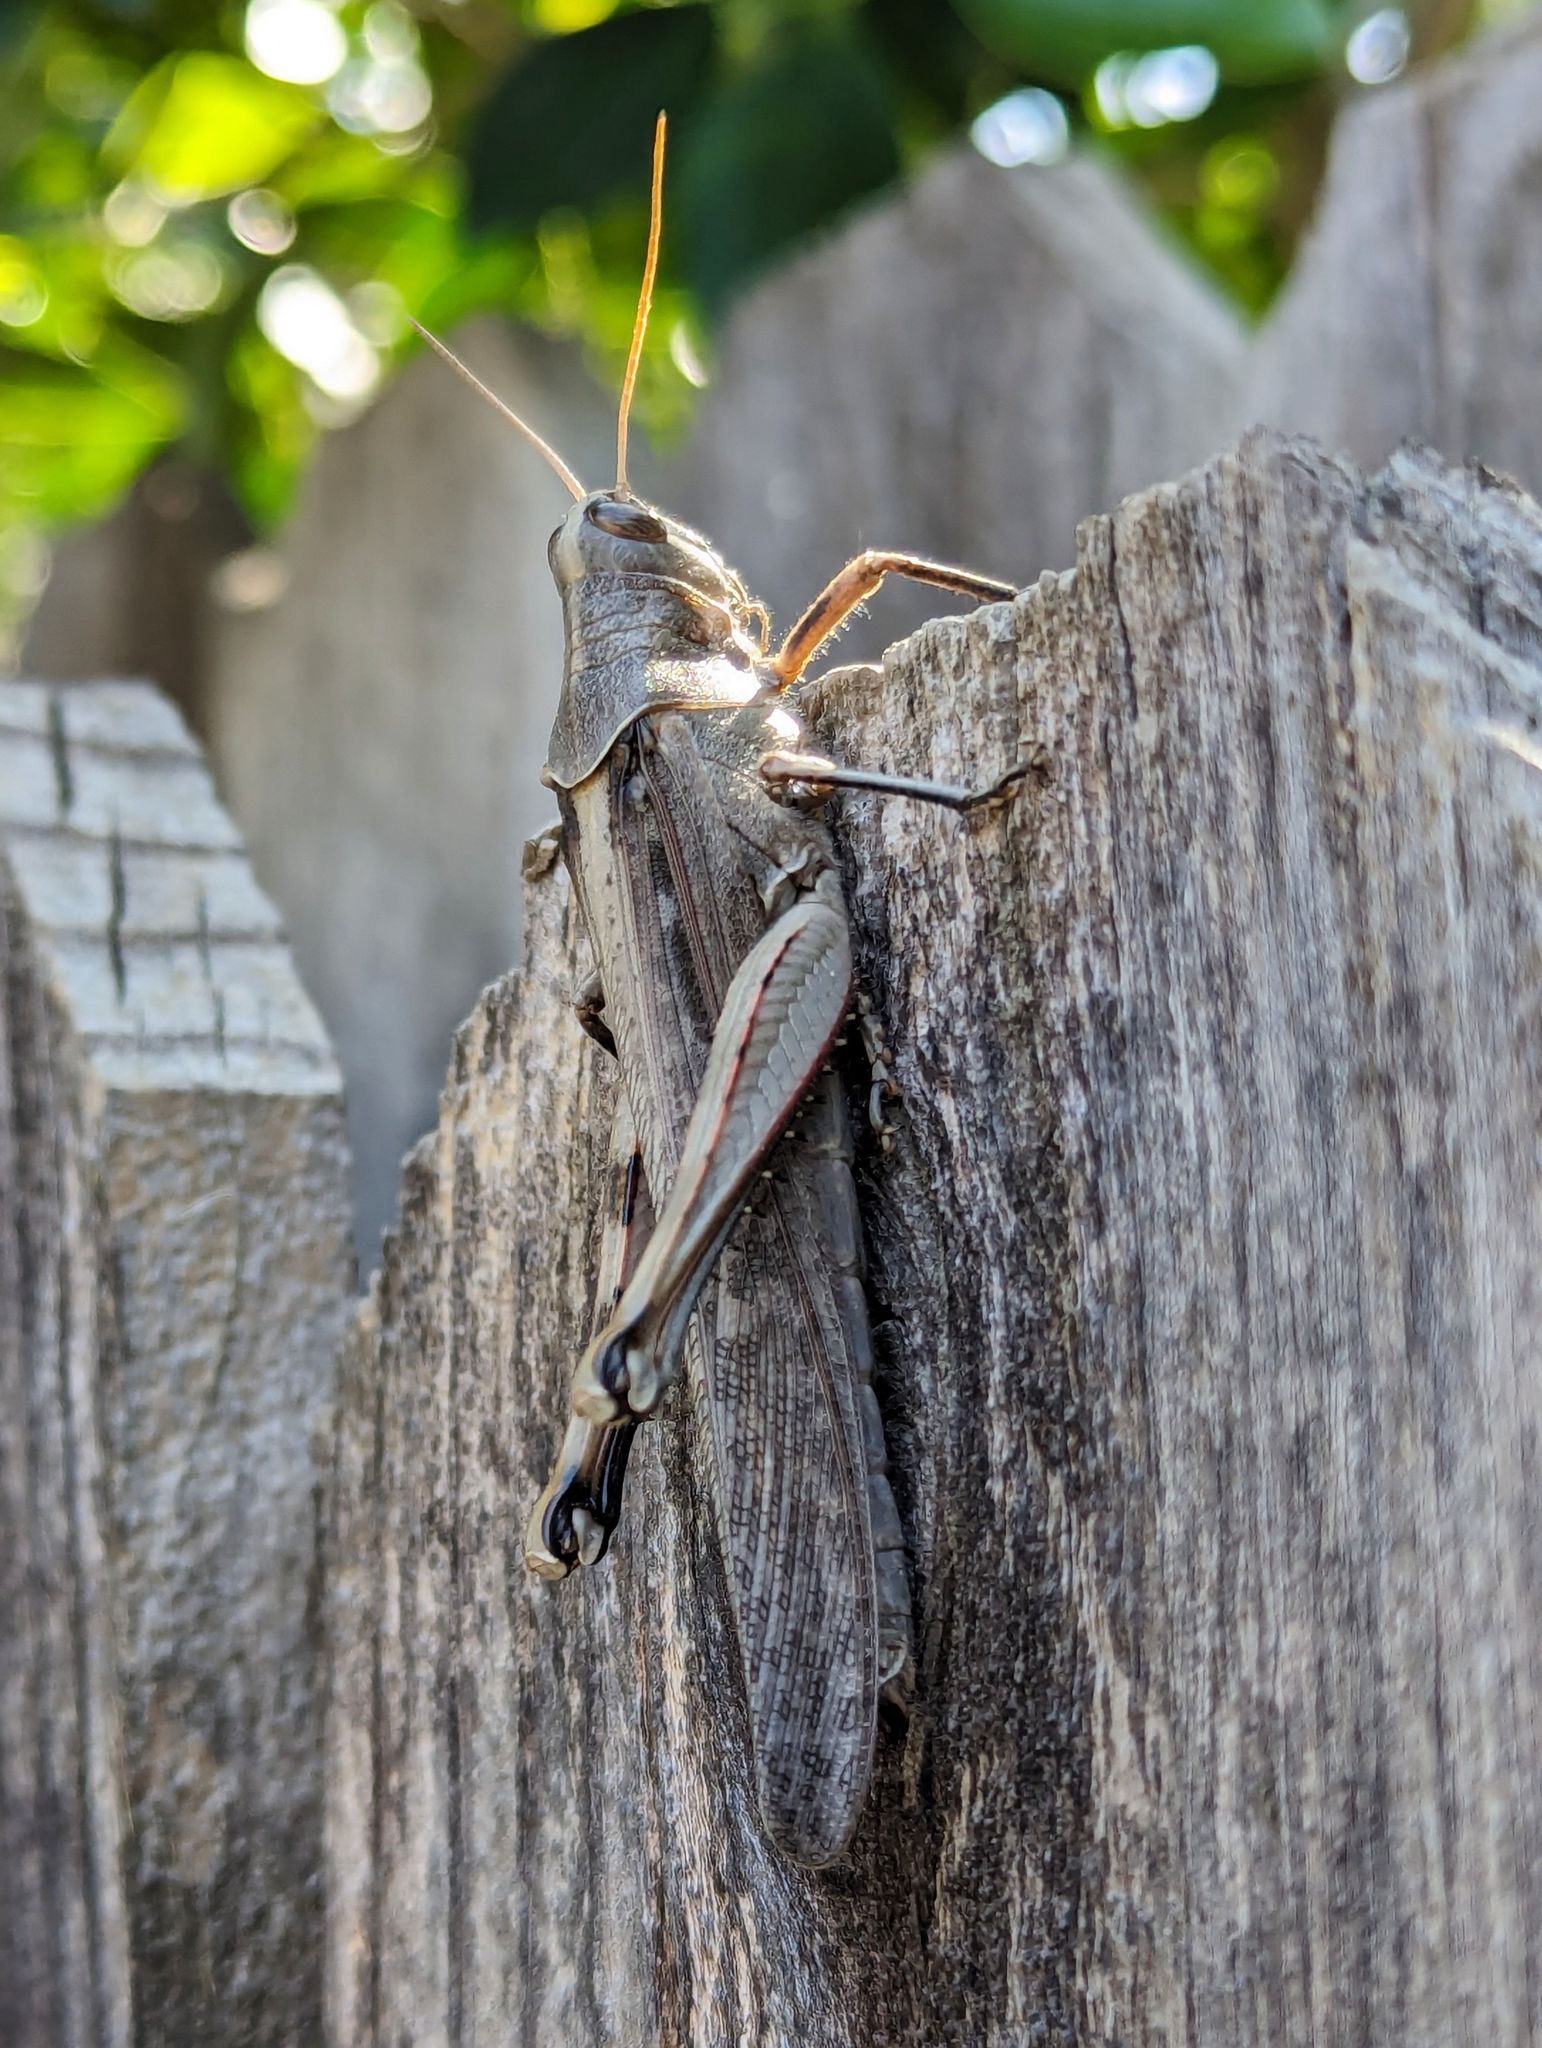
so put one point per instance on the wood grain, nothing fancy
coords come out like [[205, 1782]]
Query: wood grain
[[1204, 1277]]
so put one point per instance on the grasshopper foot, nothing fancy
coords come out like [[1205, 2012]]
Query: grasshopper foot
[[884, 1087], [574, 1519], [998, 794]]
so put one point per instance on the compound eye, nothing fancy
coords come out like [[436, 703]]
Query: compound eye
[[626, 521]]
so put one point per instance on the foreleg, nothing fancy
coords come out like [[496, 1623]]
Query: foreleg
[[858, 580]]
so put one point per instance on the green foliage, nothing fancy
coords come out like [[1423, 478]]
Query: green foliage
[[572, 123], [761, 153], [1063, 41], [779, 151], [215, 214], [201, 125], [74, 440]]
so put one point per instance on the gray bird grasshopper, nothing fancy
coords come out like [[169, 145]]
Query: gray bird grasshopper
[[711, 893]]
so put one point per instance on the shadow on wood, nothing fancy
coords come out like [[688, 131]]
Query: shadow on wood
[[1205, 1281]]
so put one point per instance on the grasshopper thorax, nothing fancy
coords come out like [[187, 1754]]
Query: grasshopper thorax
[[655, 619]]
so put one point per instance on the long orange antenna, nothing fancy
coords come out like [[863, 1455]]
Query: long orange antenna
[[521, 426], [644, 302]]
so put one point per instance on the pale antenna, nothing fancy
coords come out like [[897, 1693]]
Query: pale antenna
[[521, 426], [644, 302]]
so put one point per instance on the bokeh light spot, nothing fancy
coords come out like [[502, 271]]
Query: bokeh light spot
[[299, 41], [1027, 127], [168, 283], [250, 580], [390, 33], [261, 222], [685, 357], [371, 98], [1171, 85], [1241, 172], [131, 215], [1378, 49], [87, 85], [1150, 91], [23, 294], [376, 309], [309, 325]]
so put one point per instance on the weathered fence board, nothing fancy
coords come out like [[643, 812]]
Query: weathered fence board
[[175, 1265], [1205, 1276], [1415, 303]]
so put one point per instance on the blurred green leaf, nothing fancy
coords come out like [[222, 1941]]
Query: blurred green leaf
[[202, 125], [74, 440], [87, 84], [1254, 41], [272, 433], [334, 169], [932, 59], [572, 122], [57, 171], [779, 152]]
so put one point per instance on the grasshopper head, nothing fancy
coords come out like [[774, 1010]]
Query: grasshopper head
[[611, 533], [655, 621]]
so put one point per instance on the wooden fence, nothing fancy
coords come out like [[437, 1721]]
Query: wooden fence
[[1205, 1279]]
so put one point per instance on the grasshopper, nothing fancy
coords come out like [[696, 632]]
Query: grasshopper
[[690, 826]]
